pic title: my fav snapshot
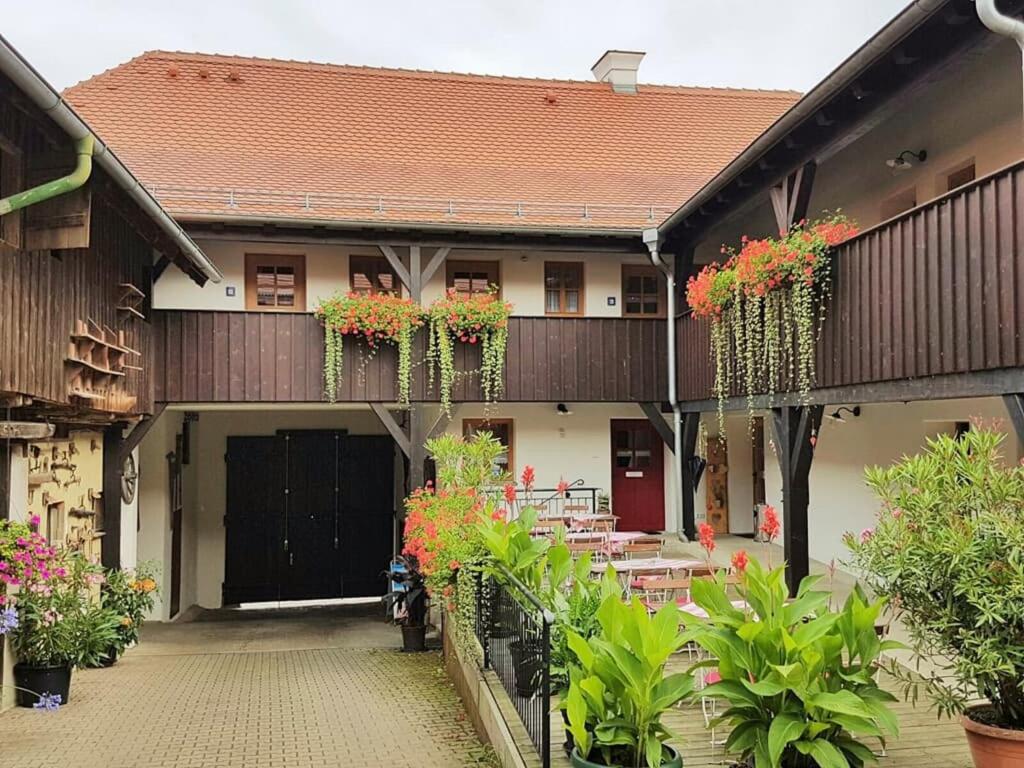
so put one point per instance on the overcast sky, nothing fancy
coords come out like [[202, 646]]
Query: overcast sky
[[744, 43]]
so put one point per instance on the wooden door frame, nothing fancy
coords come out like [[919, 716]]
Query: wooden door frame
[[657, 444]]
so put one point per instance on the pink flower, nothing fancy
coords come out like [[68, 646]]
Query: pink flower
[[34, 521], [866, 534], [897, 513]]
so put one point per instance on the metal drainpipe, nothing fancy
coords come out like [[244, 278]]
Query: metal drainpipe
[[652, 239], [57, 187], [1007, 26]]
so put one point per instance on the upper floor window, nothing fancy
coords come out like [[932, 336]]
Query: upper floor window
[[275, 282], [643, 293], [898, 203], [963, 175], [563, 288], [472, 277], [372, 274]]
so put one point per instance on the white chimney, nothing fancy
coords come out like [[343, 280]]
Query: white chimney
[[618, 68]]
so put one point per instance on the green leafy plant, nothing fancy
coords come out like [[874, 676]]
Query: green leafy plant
[[480, 318], [948, 551], [799, 679], [130, 594], [377, 318], [764, 305], [618, 689]]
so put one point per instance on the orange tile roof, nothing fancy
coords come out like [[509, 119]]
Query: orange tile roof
[[224, 135]]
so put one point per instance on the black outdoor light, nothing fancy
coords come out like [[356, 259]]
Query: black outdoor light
[[563, 410], [901, 163], [837, 415]]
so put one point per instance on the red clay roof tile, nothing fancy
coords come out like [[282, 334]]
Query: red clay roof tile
[[223, 135]]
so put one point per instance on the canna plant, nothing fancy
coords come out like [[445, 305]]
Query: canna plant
[[618, 689], [799, 679]]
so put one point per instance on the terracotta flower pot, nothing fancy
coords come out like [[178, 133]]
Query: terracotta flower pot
[[993, 747]]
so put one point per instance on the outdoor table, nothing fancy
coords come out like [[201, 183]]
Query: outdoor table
[[649, 564], [695, 610]]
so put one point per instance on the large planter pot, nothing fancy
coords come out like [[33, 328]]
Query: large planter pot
[[414, 639], [527, 666], [570, 742], [676, 761], [993, 747], [110, 659], [30, 682]]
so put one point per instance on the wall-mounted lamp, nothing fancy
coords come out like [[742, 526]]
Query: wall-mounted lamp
[[563, 410], [837, 415], [900, 163]]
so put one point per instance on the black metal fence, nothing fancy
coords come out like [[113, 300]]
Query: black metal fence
[[577, 499], [514, 629]]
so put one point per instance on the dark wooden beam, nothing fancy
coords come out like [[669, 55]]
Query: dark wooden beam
[[111, 545], [795, 426], [5, 484], [951, 386], [653, 413], [160, 267], [1015, 407], [417, 446], [687, 485], [141, 429], [393, 427], [25, 430], [441, 422]]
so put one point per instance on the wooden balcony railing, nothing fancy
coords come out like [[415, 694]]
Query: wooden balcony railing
[[938, 290], [237, 357]]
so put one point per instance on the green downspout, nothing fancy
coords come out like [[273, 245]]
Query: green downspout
[[57, 187]]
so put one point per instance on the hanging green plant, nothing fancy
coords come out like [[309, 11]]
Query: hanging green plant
[[481, 318], [764, 305], [379, 318]]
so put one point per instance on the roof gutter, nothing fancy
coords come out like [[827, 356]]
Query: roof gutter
[[1001, 24], [844, 75], [43, 95]]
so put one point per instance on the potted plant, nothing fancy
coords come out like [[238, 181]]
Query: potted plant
[[799, 678], [130, 596], [409, 603], [618, 689], [946, 550]]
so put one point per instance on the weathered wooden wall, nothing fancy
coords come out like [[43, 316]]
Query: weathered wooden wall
[[939, 290], [207, 356]]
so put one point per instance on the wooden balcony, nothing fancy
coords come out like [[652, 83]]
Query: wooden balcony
[[925, 306], [246, 357]]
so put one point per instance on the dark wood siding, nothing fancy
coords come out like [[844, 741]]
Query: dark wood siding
[[273, 357], [938, 290], [43, 294]]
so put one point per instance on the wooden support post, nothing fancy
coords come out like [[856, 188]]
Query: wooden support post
[[397, 265], [415, 273], [687, 486], [393, 427], [435, 263], [113, 441], [653, 413], [794, 428], [1015, 407], [5, 481], [441, 422], [791, 198], [141, 429], [417, 446], [160, 267]]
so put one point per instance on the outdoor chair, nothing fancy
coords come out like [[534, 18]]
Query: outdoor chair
[[641, 549]]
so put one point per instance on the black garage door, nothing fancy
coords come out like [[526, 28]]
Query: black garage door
[[309, 516]]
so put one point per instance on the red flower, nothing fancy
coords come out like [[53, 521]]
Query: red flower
[[510, 493], [563, 486], [770, 527], [528, 477], [740, 560], [707, 537]]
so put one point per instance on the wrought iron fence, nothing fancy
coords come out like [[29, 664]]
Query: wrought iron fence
[[577, 499], [514, 630]]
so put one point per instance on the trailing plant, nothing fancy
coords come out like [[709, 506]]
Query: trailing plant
[[799, 679], [764, 304], [618, 689], [480, 318], [377, 318], [948, 551]]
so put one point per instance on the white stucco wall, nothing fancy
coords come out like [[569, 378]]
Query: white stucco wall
[[840, 500], [154, 534], [327, 271]]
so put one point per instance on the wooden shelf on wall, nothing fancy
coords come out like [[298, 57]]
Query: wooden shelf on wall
[[97, 361], [130, 300]]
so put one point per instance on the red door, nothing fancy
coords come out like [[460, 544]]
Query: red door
[[638, 476]]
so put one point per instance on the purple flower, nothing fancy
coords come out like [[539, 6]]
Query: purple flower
[[48, 701], [8, 620]]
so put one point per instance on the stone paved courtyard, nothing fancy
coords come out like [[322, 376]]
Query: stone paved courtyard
[[291, 689]]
